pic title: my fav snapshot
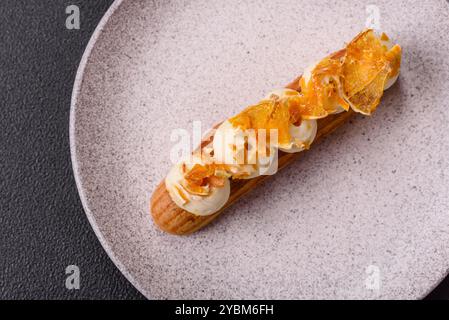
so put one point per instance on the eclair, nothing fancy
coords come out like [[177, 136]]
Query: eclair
[[240, 152]]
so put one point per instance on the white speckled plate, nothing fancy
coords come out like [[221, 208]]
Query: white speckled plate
[[365, 214]]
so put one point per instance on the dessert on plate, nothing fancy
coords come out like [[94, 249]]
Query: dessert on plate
[[255, 143]]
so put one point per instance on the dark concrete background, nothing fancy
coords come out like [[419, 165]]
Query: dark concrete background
[[43, 226]]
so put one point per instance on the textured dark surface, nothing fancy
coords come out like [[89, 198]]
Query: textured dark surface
[[43, 226]]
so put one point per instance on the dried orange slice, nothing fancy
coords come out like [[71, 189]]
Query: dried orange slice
[[195, 189], [216, 182], [321, 93], [267, 114], [198, 173], [365, 58], [201, 177], [368, 65], [366, 100], [307, 105], [280, 119], [394, 57], [312, 111]]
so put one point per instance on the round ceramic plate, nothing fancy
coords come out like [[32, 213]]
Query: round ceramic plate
[[363, 214]]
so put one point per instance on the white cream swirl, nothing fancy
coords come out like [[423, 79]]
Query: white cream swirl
[[240, 152], [196, 204], [302, 135]]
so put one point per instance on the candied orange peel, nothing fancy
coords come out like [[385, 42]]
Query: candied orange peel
[[353, 77]]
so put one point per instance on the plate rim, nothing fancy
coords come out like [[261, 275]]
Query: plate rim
[[77, 86], [72, 138]]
